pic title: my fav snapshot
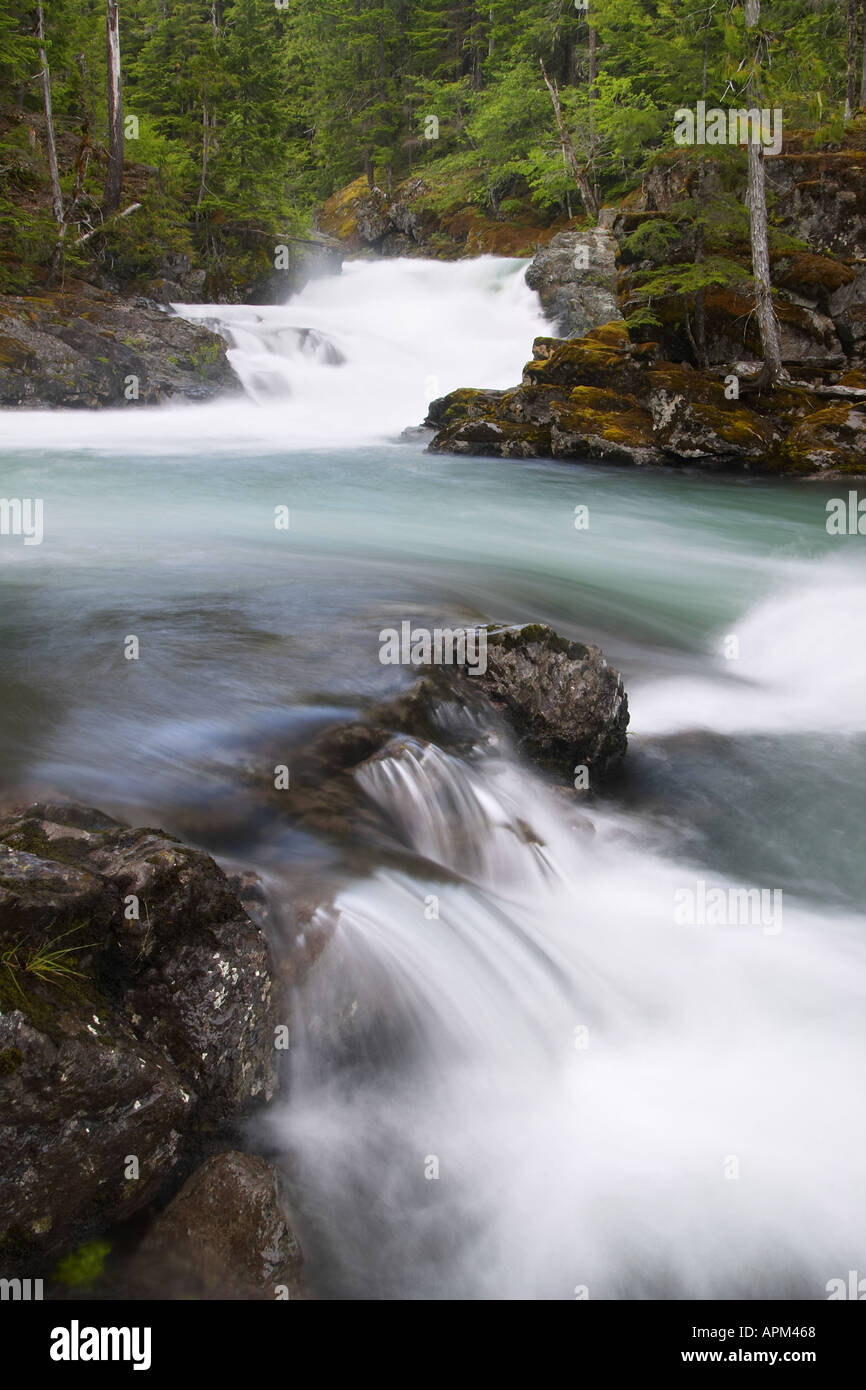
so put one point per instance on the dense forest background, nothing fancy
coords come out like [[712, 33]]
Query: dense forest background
[[239, 117]]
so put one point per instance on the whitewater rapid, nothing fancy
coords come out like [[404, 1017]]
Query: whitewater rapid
[[512, 1074], [557, 1092], [353, 359]]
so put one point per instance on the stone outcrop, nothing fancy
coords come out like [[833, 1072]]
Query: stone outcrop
[[575, 277], [608, 398], [135, 1014], [85, 347]]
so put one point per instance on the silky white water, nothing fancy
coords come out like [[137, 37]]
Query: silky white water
[[615, 1103], [353, 358]]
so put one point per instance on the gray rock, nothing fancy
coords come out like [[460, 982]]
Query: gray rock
[[565, 704], [848, 311], [577, 299], [80, 346]]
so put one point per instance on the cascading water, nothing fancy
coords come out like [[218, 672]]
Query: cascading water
[[352, 359], [573, 1093], [612, 1102]]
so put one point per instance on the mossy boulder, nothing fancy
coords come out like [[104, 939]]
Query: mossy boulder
[[605, 397], [136, 993], [602, 424], [84, 347], [832, 438]]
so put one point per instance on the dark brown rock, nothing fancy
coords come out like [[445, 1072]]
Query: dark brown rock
[[226, 1235]]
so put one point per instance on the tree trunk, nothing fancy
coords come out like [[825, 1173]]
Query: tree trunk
[[593, 62], [204, 153], [768, 325], [114, 176], [851, 62], [580, 178], [56, 194], [701, 355], [863, 76]]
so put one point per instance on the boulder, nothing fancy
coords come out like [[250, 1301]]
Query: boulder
[[135, 1011], [226, 1235], [80, 347], [577, 297], [563, 702]]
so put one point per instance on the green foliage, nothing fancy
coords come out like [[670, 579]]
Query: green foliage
[[250, 114]]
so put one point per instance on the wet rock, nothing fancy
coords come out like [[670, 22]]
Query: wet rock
[[558, 701], [575, 277], [80, 1094], [135, 1004], [85, 347], [226, 1235], [608, 398], [566, 706]]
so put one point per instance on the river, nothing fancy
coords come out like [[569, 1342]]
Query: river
[[564, 1092]]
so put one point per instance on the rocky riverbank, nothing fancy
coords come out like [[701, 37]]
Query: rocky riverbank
[[141, 1008], [607, 397], [623, 381], [86, 345]]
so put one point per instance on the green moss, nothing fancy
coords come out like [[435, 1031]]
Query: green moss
[[608, 415], [10, 1060], [83, 1268]]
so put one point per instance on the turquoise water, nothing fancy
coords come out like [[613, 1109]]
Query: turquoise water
[[739, 626]]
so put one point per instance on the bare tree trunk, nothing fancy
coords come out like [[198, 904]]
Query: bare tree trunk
[[204, 153], [577, 169], [851, 62], [114, 176], [863, 77], [701, 354], [56, 194], [768, 325]]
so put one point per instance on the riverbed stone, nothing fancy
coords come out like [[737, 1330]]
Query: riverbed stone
[[226, 1235], [135, 1014]]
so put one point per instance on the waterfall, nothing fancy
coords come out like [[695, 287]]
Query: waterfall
[[352, 359]]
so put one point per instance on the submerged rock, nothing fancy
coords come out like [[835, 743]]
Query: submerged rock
[[135, 1011], [556, 701], [227, 1234]]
